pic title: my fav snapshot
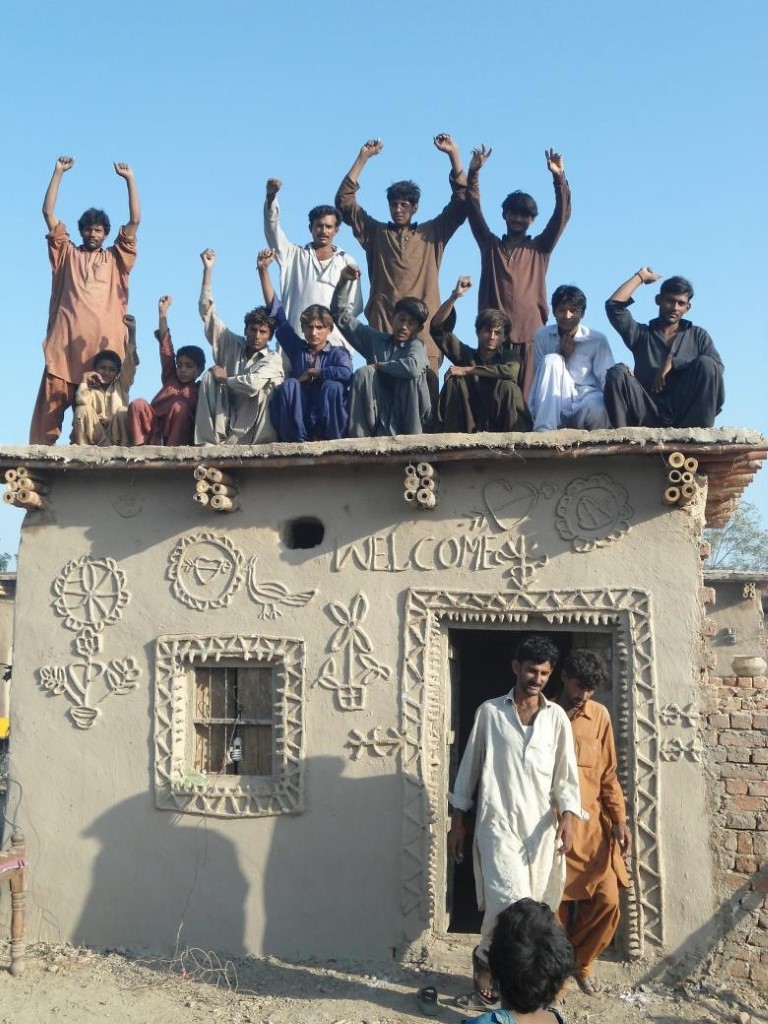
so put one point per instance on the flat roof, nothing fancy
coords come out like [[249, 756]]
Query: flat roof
[[728, 456]]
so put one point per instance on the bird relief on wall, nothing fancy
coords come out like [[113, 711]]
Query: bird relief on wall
[[89, 595]]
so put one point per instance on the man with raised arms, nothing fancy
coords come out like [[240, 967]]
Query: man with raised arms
[[89, 299], [403, 255]]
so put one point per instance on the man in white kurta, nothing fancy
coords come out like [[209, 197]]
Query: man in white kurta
[[309, 273], [520, 758]]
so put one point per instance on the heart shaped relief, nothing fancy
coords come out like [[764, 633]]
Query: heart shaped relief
[[508, 503]]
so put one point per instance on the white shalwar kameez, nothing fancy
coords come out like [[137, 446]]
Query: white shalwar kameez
[[525, 776]]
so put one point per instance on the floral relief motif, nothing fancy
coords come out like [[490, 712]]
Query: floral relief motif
[[356, 668], [90, 594]]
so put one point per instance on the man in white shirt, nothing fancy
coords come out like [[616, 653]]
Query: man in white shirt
[[571, 362], [309, 273], [520, 758]]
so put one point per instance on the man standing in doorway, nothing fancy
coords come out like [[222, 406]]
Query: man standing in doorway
[[590, 908], [520, 758]]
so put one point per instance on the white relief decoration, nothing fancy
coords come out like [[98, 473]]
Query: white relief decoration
[[128, 504], [397, 551], [178, 786], [672, 714], [507, 504], [351, 668], [593, 512], [206, 570], [271, 596], [378, 742], [429, 616], [90, 594], [676, 750]]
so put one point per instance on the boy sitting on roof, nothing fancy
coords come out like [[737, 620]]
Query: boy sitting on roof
[[169, 419], [233, 404], [311, 404], [390, 395], [481, 390], [101, 400], [571, 361]]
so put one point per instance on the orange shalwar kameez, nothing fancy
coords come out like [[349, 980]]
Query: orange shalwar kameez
[[595, 867]]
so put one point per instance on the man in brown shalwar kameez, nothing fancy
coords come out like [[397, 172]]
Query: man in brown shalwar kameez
[[403, 256], [89, 298], [513, 268], [590, 908]]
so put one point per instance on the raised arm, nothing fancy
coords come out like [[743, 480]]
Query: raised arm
[[134, 207], [214, 328], [445, 143], [547, 240], [63, 164], [131, 360], [477, 223], [263, 261], [461, 288], [368, 149], [625, 291], [275, 236], [163, 305]]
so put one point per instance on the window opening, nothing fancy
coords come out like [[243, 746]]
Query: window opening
[[233, 720]]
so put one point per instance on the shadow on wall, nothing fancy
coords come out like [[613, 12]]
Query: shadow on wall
[[207, 882]]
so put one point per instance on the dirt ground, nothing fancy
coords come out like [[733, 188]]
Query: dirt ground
[[67, 984]]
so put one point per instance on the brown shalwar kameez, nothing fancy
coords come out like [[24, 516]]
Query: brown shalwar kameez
[[513, 278], [595, 868], [89, 298], [402, 261]]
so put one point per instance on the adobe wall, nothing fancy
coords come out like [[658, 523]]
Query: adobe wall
[[123, 578]]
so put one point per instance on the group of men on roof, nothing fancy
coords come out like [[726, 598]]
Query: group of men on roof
[[521, 375]]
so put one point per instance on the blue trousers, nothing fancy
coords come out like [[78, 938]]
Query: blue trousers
[[309, 412]]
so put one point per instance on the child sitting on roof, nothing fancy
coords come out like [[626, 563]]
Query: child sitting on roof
[[312, 404], [101, 400], [169, 419]]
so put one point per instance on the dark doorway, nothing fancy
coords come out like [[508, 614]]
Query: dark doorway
[[480, 670]]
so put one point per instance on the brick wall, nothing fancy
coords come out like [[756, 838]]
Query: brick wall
[[736, 725]]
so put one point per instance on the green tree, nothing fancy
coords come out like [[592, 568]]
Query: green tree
[[742, 544], [5, 561]]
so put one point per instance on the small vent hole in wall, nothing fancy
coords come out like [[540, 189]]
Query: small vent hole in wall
[[304, 533]]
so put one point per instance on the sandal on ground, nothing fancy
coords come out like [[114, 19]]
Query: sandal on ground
[[426, 999], [589, 986], [479, 966]]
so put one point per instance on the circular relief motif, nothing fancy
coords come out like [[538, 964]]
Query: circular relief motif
[[206, 570], [90, 592], [593, 512]]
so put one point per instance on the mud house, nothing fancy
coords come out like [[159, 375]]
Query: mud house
[[238, 728]]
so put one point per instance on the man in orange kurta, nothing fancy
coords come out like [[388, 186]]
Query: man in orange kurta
[[595, 865], [89, 298]]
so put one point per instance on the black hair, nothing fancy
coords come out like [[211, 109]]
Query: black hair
[[93, 216], [407, 190], [414, 307], [677, 286], [195, 353], [324, 211], [569, 295], [493, 318], [537, 649], [260, 315], [530, 956], [521, 202], [316, 312], [586, 668], [108, 356]]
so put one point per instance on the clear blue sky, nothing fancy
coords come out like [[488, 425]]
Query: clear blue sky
[[658, 109]]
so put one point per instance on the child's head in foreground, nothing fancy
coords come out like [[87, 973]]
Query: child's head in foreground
[[530, 956], [190, 363]]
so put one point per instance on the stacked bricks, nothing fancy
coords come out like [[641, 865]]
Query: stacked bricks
[[737, 734]]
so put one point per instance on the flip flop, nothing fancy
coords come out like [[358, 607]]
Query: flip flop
[[426, 999], [479, 965]]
